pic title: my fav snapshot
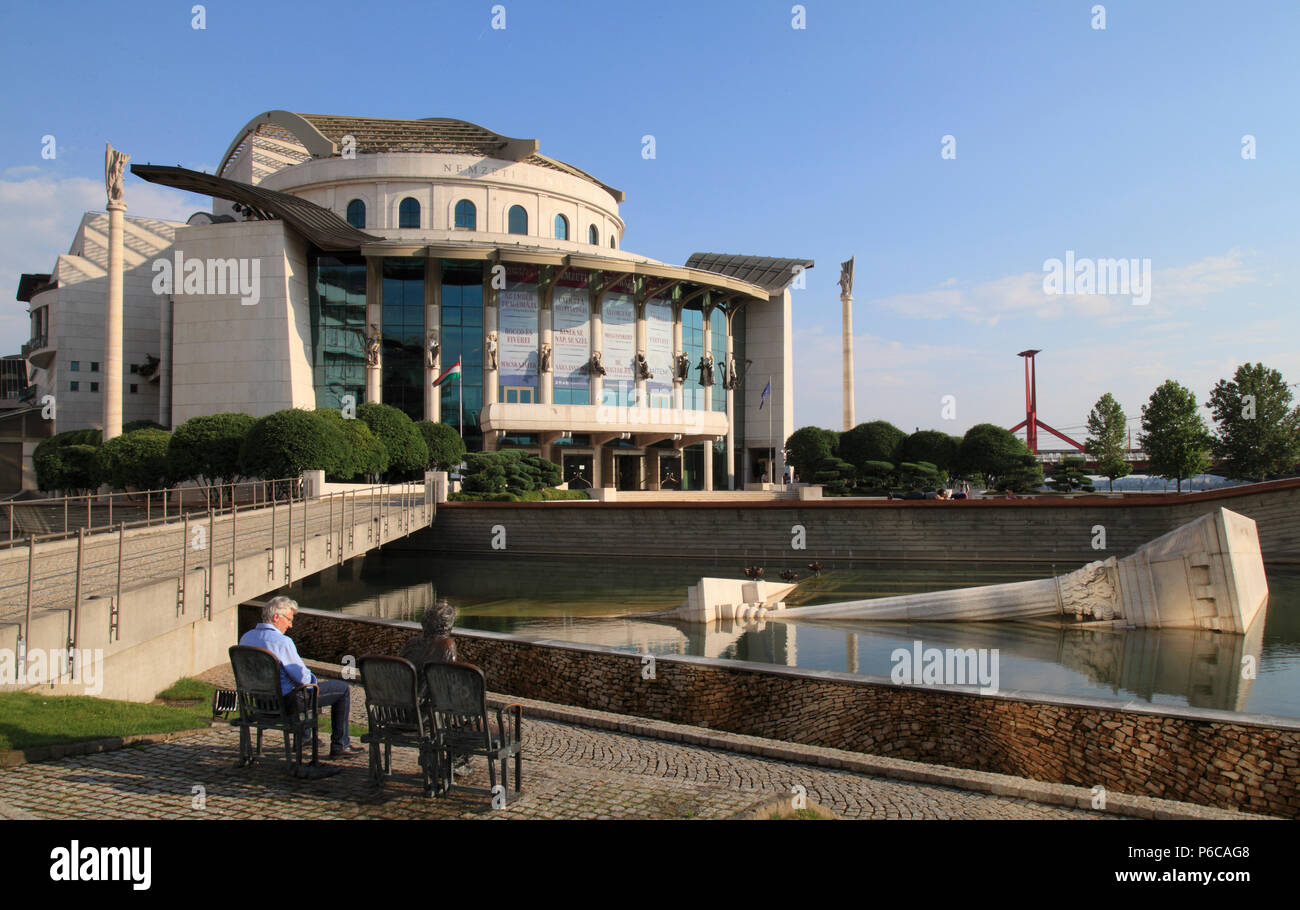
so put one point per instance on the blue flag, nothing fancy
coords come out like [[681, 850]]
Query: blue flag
[[766, 390]]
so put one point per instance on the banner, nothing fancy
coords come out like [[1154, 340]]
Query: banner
[[517, 334], [659, 351], [571, 338], [619, 317]]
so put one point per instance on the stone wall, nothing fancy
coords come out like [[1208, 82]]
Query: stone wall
[[841, 531], [1207, 757]]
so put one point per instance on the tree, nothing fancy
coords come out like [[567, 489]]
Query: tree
[[834, 475], [365, 454], [407, 453], [286, 443], [446, 448], [1259, 431], [990, 452], [137, 459], [875, 441], [208, 447], [1023, 474], [1173, 434], [51, 466], [939, 449], [808, 447], [1068, 476], [1106, 428]]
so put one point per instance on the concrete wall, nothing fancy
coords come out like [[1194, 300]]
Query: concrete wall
[[1214, 758], [1042, 530]]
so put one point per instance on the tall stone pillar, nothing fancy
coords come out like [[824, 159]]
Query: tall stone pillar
[[165, 317], [114, 165], [491, 343], [640, 347], [708, 465], [731, 414], [652, 468], [597, 343], [846, 300], [432, 338], [678, 387], [546, 343], [374, 322]]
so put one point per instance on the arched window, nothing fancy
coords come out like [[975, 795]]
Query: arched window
[[517, 220], [593, 235], [612, 244], [466, 215], [357, 214], [561, 227], [408, 213]]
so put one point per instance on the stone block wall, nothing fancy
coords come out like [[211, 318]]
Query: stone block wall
[[1207, 757]]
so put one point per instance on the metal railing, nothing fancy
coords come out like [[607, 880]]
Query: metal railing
[[262, 497]]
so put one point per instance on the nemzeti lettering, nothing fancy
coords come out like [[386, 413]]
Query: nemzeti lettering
[[102, 864]]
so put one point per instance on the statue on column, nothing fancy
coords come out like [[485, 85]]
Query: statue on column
[[374, 341], [729, 378], [114, 166], [594, 366], [492, 350], [681, 366], [705, 366], [846, 278], [544, 359], [433, 348], [643, 367]]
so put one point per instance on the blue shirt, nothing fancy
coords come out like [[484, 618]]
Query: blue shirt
[[293, 672]]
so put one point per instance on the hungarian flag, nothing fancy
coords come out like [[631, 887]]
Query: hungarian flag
[[453, 370]]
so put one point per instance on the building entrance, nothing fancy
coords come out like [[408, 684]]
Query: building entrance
[[577, 471], [628, 471]]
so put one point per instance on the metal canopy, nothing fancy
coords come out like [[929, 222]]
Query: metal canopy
[[319, 225], [770, 273]]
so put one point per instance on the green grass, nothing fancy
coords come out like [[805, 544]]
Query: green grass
[[186, 688], [28, 719], [797, 813]]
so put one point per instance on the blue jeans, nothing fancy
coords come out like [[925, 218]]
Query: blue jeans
[[337, 696]]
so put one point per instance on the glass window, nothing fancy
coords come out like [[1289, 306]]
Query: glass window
[[135, 368], [75, 366], [135, 389], [357, 213], [517, 220], [338, 315], [75, 386], [561, 227], [408, 213], [466, 216], [593, 235], [94, 387], [94, 366], [613, 245]]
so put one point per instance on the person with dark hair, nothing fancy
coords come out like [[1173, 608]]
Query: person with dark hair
[[434, 644]]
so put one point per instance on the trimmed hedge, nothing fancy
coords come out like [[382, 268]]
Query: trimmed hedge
[[136, 460], [286, 443], [407, 452]]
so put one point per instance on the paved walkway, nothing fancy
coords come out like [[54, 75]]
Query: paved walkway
[[570, 771]]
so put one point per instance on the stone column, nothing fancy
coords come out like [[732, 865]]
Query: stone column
[[545, 338], [652, 468], [708, 465], [640, 348], [374, 324], [491, 376], [731, 415], [678, 387], [165, 361], [113, 325], [846, 301], [597, 344], [432, 323]]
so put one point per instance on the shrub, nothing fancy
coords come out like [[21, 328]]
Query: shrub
[[407, 453], [67, 469], [136, 460], [446, 448], [364, 455], [286, 443], [208, 447]]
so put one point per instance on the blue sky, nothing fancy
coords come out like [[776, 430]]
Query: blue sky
[[822, 142]]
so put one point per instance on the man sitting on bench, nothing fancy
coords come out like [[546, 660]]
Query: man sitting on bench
[[277, 619]]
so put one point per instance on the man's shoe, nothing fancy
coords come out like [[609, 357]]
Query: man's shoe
[[346, 751]]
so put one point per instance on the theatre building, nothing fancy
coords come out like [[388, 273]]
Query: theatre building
[[352, 259]]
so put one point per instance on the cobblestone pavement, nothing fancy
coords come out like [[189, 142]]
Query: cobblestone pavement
[[570, 771]]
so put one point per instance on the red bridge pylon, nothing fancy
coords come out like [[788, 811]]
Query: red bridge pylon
[[1031, 423]]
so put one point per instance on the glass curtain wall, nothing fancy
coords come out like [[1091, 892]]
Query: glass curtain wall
[[462, 339], [403, 329], [338, 328]]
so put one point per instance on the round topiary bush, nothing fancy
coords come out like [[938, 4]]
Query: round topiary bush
[[286, 443], [208, 447], [136, 460], [446, 448], [407, 453]]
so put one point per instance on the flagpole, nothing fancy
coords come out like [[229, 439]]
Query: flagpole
[[769, 430], [460, 388]]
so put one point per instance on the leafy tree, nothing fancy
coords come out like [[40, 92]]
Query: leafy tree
[[1259, 431], [1024, 474], [208, 447], [446, 448], [484, 473], [921, 475], [939, 449], [989, 451], [407, 453], [365, 455], [286, 443], [1173, 434], [143, 425], [137, 459], [835, 475], [1068, 475], [1105, 443], [51, 465], [808, 447], [875, 441]]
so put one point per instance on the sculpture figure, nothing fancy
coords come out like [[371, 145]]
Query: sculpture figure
[[729, 378], [433, 348], [681, 366], [492, 350], [374, 340], [846, 278], [705, 366], [544, 359], [594, 366], [643, 367], [114, 165]]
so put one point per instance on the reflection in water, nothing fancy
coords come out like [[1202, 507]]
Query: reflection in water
[[597, 601]]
